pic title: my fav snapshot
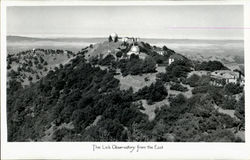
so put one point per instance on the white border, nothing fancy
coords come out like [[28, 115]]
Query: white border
[[83, 150]]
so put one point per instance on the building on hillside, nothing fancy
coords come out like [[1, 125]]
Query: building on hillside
[[114, 37], [159, 51], [175, 57], [124, 39], [134, 50], [222, 77]]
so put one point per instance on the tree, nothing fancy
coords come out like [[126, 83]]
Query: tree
[[231, 89], [149, 65], [110, 38], [30, 78], [119, 54], [154, 93], [164, 48], [211, 66], [229, 102], [240, 108], [179, 69], [116, 39], [178, 87], [193, 80], [107, 60]]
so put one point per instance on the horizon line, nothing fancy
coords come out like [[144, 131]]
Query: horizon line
[[57, 36]]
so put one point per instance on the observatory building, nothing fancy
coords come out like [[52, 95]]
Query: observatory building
[[114, 36], [134, 50]]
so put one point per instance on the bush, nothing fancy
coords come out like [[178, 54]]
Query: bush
[[231, 89], [240, 108], [211, 66], [119, 54], [30, 78], [193, 80], [200, 89], [178, 69], [163, 77], [178, 87], [228, 103], [136, 66], [154, 93], [107, 60], [178, 100]]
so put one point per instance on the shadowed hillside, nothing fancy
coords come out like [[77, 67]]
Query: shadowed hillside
[[89, 97]]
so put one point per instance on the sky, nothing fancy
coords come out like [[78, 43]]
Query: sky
[[174, 21]]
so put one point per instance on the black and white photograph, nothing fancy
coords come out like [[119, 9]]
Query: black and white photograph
[[125, 73], [118, 73]]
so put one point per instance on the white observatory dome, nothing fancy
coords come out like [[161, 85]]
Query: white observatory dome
[[135, 49], [114, 36]]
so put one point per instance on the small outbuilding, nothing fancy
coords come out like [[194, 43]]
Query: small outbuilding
[[175, 57]]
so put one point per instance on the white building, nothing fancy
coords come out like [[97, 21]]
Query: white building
[[170, 60], [228, 76], [174, 57], [134, 50], [114, 36]]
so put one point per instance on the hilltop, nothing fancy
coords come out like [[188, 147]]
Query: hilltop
[[116, 91]]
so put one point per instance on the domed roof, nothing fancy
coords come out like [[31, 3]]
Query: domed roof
[[135, 49], [114, 35]]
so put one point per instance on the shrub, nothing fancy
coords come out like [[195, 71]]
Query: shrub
[[107, 60], [178, 87], [200, 89], [30, 78], [178, 69], [155, 92], [231, 89], [193, 80], [240, 108], [228, 103], [177, 100], [211, 66], [119, 54], [136, 66]]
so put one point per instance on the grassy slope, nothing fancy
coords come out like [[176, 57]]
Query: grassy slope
[[52, 60]]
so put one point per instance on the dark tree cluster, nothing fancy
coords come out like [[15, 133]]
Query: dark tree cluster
[[192, 120], [178, 87], [136, 66], [154, 93], [231, 89], [80, 93], [176, 72], [210, 66], [76, 95]]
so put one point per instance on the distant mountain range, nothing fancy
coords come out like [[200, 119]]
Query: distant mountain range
[[100, 39], [66, 39]]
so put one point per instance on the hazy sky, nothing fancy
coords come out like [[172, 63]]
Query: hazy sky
[[215, 21]]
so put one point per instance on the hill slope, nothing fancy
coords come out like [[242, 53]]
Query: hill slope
[[80, 101]]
